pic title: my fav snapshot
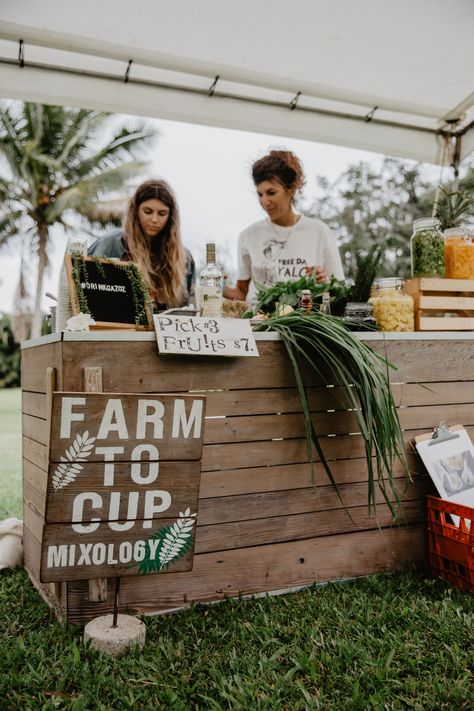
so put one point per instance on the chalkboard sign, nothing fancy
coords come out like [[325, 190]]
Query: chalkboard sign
[[111, 291]]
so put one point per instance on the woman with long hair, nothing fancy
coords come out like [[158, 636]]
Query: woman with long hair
[[151, 238], [286, 245]]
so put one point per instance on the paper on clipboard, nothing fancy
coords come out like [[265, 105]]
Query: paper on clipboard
[[450, 463]]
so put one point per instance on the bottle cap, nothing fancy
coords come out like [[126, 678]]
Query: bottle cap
[[210, 252], [426, 223]]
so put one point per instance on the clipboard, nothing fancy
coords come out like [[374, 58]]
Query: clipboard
[[448, 455], [442, 433]]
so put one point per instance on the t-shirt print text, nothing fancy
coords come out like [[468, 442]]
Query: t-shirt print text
[[290, 268]]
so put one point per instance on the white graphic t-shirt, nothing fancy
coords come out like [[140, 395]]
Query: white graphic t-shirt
[[268, 253]]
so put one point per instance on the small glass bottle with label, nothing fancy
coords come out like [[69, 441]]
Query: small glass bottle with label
[[325, 307], [306, 301], [210, 285]]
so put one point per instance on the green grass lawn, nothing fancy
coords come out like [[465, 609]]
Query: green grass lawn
[[390, 642], [385, 642], [10, 453]]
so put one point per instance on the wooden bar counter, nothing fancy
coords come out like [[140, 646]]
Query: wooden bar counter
[[262, 526]]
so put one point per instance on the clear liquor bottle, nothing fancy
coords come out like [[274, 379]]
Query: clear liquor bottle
[[210, 285]]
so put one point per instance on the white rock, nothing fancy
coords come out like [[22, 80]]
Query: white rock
[[130, 631]]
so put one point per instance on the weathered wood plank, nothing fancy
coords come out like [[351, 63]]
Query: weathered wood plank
[[245, 507], [54, 594], [35, 428], [221, 457], [176, 373], [34, 404], [286, 400], [425, 361], [292, 476], [264, 427], [182, 478], [34, 362], [322, 399], [265, 568], [34, 499], [411, 394], [92, 382], [35, 476], [133, 421], [33, 522], [272, 369], [35, 452], [263, 531], [103, 552]]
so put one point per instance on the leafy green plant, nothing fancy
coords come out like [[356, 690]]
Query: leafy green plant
[[453, 207], [289, 292], [9, 356], [324, 344], [366, 271]]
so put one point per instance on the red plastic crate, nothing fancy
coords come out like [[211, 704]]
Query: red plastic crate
[[451, 547]]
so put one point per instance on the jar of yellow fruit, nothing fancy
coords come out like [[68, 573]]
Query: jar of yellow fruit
[[393, 310], [459, 253]]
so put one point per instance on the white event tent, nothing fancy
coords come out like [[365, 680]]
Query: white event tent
[[392, 77]]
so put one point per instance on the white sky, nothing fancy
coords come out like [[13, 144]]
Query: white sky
[[209, 169]]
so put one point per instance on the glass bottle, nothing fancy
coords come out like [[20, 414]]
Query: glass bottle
[[393, 310], [459, 252], [325, 307], [306, 301], [359, 315], [210, 285], [427, 248]]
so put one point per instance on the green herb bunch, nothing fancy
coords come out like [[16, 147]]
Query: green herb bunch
[[324, 344], [289, 292], [367, 268]]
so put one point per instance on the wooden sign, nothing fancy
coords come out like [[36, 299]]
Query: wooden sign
[[111, 291], [179, 335], [123, 484]]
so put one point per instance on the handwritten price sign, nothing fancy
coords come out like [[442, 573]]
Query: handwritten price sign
[[189, 335]]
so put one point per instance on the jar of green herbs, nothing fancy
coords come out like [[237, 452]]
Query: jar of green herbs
[[427, 248]]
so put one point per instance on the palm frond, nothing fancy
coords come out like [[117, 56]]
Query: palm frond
[[324, 345], [79, 196], [11, 224], [126, 146]]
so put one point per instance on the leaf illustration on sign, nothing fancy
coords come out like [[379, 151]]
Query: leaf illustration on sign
[[177, 538], [174, 542], [67, 471]]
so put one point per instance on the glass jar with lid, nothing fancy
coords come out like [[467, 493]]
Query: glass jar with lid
[[393, 310], [358, 316], [427, 248], [459, 252]]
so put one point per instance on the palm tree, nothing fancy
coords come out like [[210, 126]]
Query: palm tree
[[54, 160]]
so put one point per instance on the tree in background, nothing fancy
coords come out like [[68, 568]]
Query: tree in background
[[55, 160], [9, 355], [366, 207]]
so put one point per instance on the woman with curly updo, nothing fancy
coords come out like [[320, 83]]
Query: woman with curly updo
[[151, 238], [286, 245]]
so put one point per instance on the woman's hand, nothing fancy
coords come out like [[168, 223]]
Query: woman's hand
[[317, 272], [239, 292]]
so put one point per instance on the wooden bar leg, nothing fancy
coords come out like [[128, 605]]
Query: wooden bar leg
[[92, 381]]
